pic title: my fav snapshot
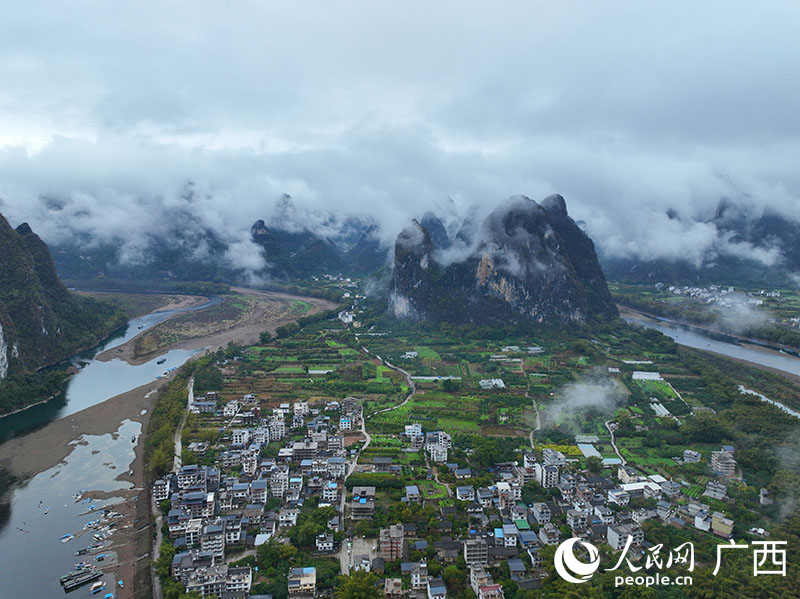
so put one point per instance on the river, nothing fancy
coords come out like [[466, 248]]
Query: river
[[717, 343], [97, 381], [39, 511]]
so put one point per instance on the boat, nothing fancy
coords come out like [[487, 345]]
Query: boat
[[76, 578], [161, 361], [66, 538], [97, 587]]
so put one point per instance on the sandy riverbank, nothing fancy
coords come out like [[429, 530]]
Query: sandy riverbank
[[46, 447], [260, 319], [40, 450], [26, 456]]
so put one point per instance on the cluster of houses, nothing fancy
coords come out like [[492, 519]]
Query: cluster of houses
[[213, 508], [504, 530]]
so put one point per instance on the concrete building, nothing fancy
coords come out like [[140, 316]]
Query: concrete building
[[436, 589], [546, 475], [551, 457], [723, 463], [302, 581], [476, 552], [392, 543], [362, 506], [213, 540], [618, 535]]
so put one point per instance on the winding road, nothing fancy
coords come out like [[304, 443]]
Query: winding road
[[613, 443]]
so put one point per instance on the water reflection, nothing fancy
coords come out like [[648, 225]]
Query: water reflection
[[97, 381], [42, 509]]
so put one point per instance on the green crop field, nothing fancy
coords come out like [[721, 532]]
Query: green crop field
[[660, 389], [431, 489], [427, 353]]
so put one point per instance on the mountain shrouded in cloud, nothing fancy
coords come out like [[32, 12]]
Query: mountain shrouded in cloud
[[643, 118], [528, 262]]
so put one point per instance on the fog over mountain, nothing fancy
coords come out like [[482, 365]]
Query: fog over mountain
[[643, 119]]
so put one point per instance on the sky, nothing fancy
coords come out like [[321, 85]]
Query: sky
[[386, 110]]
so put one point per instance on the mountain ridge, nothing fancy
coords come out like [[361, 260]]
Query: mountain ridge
[[526, 262], [41, 322]]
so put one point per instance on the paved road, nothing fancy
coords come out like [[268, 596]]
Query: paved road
[[412, 388], [344, 553], [436, 476], [535, 407], [367, 546], [158, 593], [613, 443], [178, 432]]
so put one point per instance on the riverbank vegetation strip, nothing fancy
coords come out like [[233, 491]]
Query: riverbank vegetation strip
[[168, 411]]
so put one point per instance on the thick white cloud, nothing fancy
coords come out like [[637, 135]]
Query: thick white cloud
[[387, 109]]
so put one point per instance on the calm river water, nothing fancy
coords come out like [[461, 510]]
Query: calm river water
[[37, 513], [721, 344]]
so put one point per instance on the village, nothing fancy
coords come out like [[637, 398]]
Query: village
[[442, 475]]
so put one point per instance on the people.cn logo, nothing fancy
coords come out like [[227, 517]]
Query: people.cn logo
[[570, 568]]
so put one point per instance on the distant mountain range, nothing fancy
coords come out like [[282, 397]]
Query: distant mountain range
[[525, 262], [764, 231], [41, 322], [185, 250]]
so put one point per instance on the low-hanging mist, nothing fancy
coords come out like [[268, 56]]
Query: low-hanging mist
[[593, 392], [386, 117]]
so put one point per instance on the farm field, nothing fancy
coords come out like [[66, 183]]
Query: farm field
[[659, 389]]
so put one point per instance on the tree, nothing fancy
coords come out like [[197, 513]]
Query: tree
[[359, 585], [594, 464], [264, 337]]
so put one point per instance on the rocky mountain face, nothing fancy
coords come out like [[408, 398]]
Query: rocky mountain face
[[767, 230], [526, 262], [40, 321]]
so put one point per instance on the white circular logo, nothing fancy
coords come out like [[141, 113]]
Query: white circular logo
[[570, 568]]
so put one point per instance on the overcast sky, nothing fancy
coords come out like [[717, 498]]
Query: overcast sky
[[389, 108]]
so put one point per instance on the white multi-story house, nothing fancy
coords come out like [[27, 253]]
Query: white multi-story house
[[546, 475], [261, 436], [551, 457], [324, 543], [618, 534], [258, 491], [337, 467], [619, 497], [250, 462], [330, 492], [541, 512], [162, 488], [230, 409], [279, 482], [277, 428], [240, 436]]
